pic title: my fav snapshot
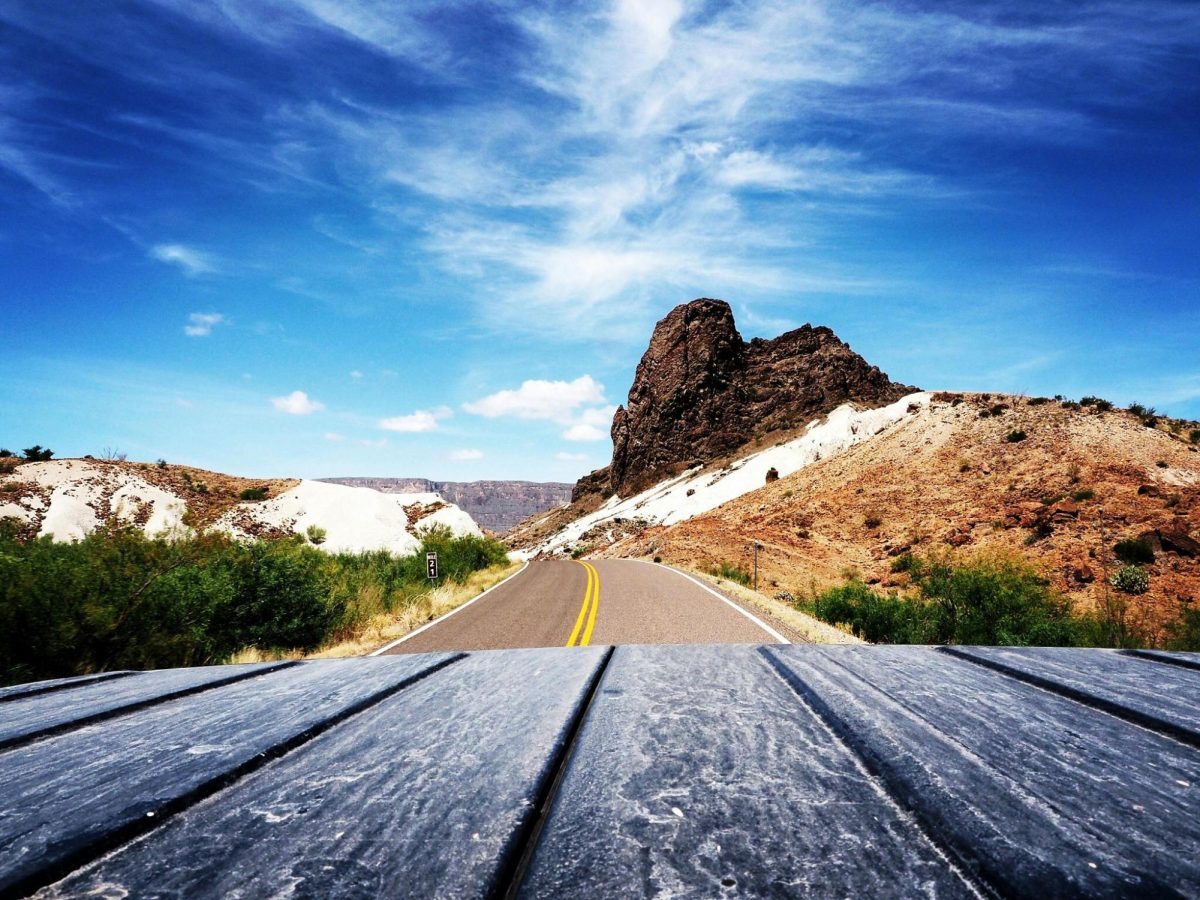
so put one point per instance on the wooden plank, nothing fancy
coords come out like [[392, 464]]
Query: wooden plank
[[1170, 657], [30, 718], [32, 688], [432, 792], [71, 797], [1161, 698], [1037, 794], [698, 773]]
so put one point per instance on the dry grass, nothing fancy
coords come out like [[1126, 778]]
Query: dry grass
[[428, 606], [382, 629], [810, 628]]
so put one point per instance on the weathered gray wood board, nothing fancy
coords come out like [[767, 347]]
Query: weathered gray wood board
[[27, 718], [698, 774], [1160, 697], [1187, 660], [1030, 791], [431, 794], [56, 684], [704, 771], [72, 796]]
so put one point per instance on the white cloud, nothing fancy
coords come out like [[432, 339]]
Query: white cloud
[[297, 403], [583, 432], [202, 324], [557, 401], [193, 262], [416, 422], [356, 375], [591, 425], [467, 454], [334, 436], [367, 442], [563, 456]]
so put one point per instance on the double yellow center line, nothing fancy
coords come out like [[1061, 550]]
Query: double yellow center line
[[582, 634]]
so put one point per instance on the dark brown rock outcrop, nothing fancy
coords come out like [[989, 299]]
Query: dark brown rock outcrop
[[700, 392]]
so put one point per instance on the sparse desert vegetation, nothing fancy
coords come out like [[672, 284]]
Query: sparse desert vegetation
[[986, 599]]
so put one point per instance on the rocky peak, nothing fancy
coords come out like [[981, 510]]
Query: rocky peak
[[701, 391]]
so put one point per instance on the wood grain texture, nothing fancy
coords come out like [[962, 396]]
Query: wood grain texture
[[430, 794], [1033, 792], [1162, 698], [688, 771], [68, 798], [698, 774], [29, 718]]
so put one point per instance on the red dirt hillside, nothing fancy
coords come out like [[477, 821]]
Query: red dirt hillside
[[956, 475]]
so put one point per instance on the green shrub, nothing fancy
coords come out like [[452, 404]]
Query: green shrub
[[315, 534], [872, 616], [1015, 436], [872, 522], [1083, 494], [1185, 634], [161, 463], [37, 453], [1051, 500], [1097, 402], [905, 562], [658, 559], [118, 599], [254, 493], [1194, 435], [984, 600], [1134, 551], [5, 453], [1131, 579], [1038, 401], [1137, 409]]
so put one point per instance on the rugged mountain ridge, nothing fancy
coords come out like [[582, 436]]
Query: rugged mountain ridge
[[496, 505], [701, 392]]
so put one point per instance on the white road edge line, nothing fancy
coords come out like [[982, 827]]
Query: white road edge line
[[442, 618], [749, 615]]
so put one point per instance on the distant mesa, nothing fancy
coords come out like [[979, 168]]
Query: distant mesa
[[701, 392], [495, 505]]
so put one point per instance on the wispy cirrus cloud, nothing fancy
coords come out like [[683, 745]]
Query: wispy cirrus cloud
[[191, 261], [630, 149], [202, 324]]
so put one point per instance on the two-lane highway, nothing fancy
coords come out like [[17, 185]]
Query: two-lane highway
[[560, 603]]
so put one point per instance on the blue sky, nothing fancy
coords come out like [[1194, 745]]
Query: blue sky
[[312, 237]]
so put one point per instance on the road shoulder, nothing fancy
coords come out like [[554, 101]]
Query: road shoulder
[[796, 626]]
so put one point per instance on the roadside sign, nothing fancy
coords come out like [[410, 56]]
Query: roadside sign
[[431, 565]]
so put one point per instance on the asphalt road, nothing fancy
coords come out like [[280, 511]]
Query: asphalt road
[[557, 603]]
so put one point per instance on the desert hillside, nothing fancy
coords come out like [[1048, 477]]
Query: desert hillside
[[852, 474], [954, 473], [68, 498]]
